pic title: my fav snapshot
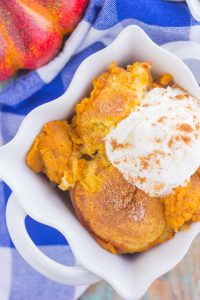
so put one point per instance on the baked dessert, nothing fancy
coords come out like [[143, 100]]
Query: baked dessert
[[118, 157]]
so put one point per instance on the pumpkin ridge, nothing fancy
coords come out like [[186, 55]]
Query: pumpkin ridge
[[41, 10], [9, 61], [35, 32]]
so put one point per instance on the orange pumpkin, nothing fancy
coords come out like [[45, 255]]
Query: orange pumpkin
[[31, 31]]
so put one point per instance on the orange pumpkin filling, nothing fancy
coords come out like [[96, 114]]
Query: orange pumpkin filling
[[120, 217]]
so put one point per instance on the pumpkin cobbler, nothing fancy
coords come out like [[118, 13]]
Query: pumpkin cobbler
[[128, 157]]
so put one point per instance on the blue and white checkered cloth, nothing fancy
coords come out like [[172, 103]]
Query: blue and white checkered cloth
[[163, 22]]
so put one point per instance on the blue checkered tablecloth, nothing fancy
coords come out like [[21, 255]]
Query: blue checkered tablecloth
[[164, 22]]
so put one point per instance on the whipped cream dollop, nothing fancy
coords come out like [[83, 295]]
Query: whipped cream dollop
[[157, 147]]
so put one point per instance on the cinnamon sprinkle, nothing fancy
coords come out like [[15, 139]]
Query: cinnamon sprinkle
[[186, 139], [158, 140], [160, 120], [117, 146], [170, 143], [185, 127], [181, 97], [159, 152], [159, 187], [140, 179], [177, 86], [144, 163]]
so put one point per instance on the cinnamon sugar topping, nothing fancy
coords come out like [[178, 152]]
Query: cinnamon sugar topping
[[137, 212]]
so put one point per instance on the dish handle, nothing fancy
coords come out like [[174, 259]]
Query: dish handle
[[69, 275]]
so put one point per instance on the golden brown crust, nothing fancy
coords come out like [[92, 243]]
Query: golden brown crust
[[122, 218]]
